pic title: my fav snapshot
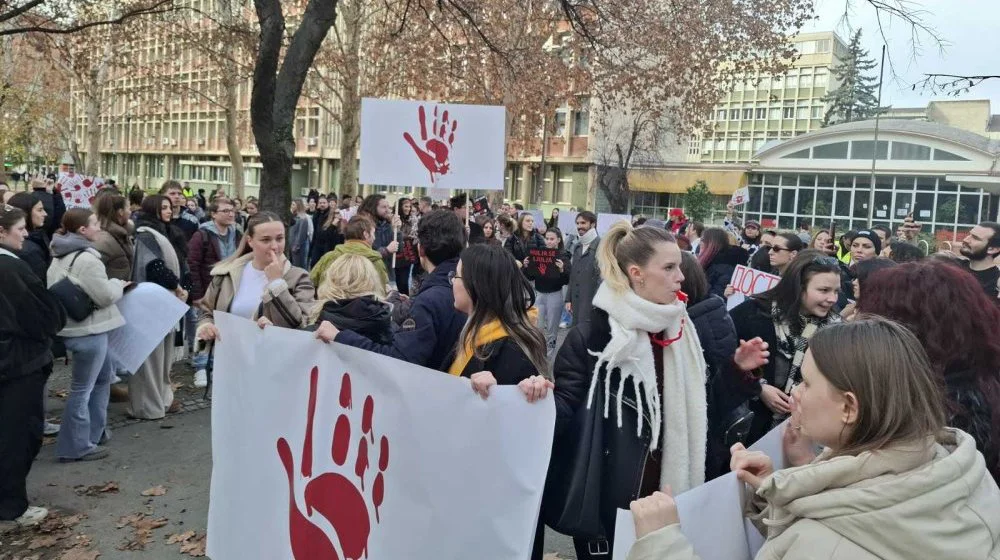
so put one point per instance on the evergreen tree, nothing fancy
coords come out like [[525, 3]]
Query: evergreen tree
[[855, 98], [698, 202]]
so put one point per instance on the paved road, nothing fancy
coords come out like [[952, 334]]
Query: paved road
[[175, 453]]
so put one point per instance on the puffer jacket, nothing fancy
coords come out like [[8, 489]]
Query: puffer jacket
[[286, 302], [30, 316], [116, 251], [924, 500], [88, 273], [364, 315], [719, 271]]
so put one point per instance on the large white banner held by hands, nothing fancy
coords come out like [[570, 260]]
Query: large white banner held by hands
[[429, 144], [329, 452]]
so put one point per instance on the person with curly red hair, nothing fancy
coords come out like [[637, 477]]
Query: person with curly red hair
[[957, 323]]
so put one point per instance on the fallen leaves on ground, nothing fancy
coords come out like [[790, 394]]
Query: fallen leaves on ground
[[79, 553], [180, 537], [143, 528], [60, 394], [54, 539], [45, 541], [107, 487], [195, 547], [158, 490]]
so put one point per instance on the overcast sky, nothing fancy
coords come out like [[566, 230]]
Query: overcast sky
[[970, 28]]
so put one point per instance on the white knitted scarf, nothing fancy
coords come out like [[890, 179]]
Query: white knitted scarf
[[681, 412]]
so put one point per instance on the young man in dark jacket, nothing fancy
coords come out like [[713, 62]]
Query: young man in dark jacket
[[431, 331], [215, 240], [52, 201]]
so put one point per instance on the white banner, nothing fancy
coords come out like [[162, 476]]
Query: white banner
[[741, 196], [325, 451], [429, 144], [78, 191], [150, 312], [605, 221]]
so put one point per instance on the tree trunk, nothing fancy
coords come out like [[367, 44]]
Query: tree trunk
[[93, 111], [350, 109], [276, 93], [613, 182]]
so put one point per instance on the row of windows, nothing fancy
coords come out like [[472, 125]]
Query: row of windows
[[770, 113], [865, 149], [795, 78]]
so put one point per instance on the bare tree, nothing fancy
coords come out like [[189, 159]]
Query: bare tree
[[277, 85], [63, 17]]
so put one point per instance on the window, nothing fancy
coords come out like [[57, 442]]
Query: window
[[720, 144], [720, 115], [788, 112], [823, 46], [863, 149], [745, 144], [732, 144], [734, 114], [907, 151], [836, 150], [747, 114], [761, 113], [788, 201], [774, 113], [581, 122], [941, 155], [765, 83], [802, 112], [807, 47], [806, 81], [801, 154], [706, 146], [816, 112], [791, 81], [560, 129], [820, 79]]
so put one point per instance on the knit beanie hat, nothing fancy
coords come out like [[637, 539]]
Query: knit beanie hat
[[873, 237]]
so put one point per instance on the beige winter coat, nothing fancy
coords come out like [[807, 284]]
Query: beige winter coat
[[88, 273], [287, 301], [908, 503]]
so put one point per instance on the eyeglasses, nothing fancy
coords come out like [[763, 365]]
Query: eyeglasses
[[776, 249], [227, 211], [452, 276]]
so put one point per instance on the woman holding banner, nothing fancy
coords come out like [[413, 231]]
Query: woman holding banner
[[892, 481], [785, 318], [524, 239], [630, 392], [30, 317], [258, 282]]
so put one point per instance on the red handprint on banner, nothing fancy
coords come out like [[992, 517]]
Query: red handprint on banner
[[332, 494], [436, 150]]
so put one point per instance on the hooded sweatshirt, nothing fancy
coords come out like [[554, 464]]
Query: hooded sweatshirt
[[904, 502], [350, 247], [364, 315], [89, 274]]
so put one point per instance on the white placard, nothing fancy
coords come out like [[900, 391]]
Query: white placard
[[78, 191], [291, 417], [748, 282], [150, 312], [428, 144], [567, 222], [605, 221], [537, 215], [740, 196]]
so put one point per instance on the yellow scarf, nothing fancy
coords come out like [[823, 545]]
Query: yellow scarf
[[490, 332]]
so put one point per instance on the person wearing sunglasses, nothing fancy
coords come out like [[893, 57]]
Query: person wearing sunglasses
[[783, 250], [784, 318]]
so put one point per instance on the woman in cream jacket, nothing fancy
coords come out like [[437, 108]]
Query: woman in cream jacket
[[891, 483], [258, 282]]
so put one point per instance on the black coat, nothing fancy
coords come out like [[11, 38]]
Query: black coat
[[36, 254], [30, 317], [365, 316], [548, 285], [505, 360], [752, 319], [519, 247], [584, 279], [969, 411], [324, 240], [54, 209], [429, 334], [625, 453], [720, 270]]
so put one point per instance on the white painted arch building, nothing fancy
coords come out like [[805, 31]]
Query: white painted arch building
[[947, 177]]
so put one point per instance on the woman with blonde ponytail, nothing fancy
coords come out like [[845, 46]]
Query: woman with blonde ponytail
[[638, 368], [351, 298]]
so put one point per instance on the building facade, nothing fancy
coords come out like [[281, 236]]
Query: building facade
[[943, 176]]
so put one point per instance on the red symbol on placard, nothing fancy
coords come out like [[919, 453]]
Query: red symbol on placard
[[332, 494], [437, 148]]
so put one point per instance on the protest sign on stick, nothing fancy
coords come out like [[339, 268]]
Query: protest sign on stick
[[748, 282], [428, 144], [326, 451], [481, 206], [78, 191], [740, 196]]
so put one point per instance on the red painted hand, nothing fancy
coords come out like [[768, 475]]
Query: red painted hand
[[435, 150], [332, 494]]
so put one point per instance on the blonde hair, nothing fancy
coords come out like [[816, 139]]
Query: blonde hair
[[348, 277], [624, 245]]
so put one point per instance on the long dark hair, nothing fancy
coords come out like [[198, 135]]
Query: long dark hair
[[26, 202], [788, 293], [499, 291], [151, 206], [399, 208], [695, 284], [370, 206], [713, 241], [559, 235]]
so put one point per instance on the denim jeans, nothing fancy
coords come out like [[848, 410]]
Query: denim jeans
[[86, 415], [200, 360], [550, 308]]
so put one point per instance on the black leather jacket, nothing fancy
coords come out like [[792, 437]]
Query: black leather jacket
[[625, 452]]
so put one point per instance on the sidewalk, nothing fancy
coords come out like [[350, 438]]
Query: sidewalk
[[99, 510]]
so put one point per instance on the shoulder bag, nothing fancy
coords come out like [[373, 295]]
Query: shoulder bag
[[75, 301]]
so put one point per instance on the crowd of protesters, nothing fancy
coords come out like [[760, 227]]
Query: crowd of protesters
[[881, 361]]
